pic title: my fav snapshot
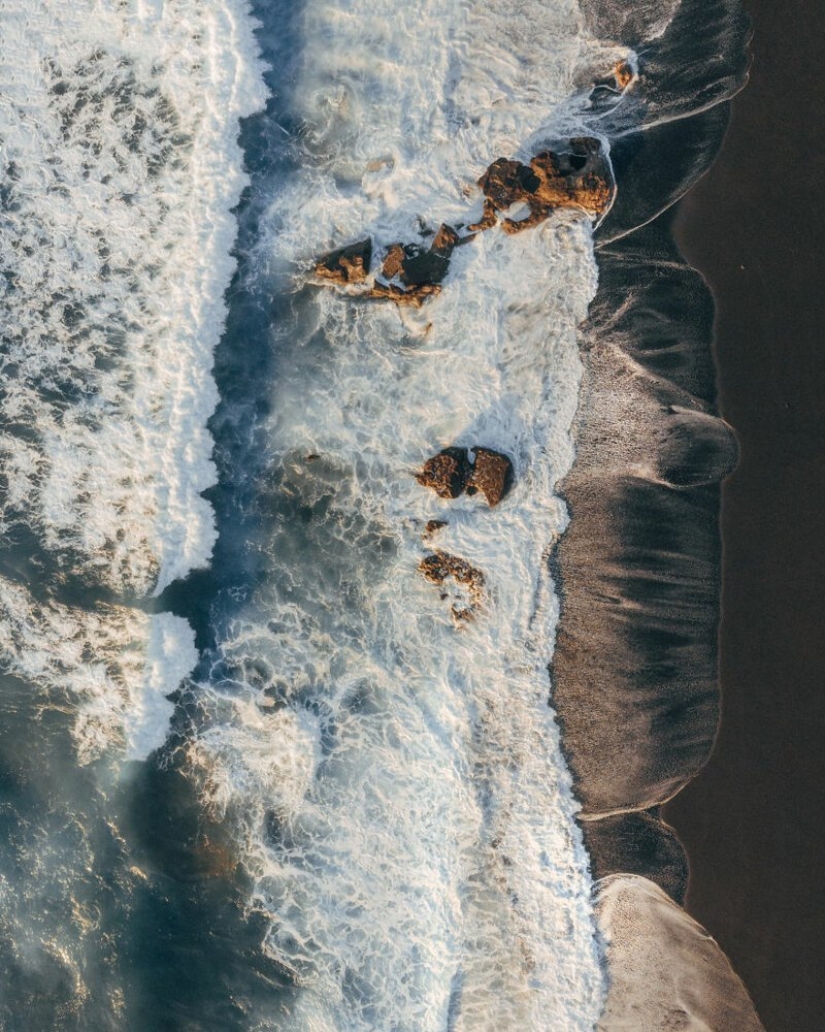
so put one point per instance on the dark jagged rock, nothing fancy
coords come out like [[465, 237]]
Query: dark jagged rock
[[424, 268], [441, 567], [446, 473], [433, 526], [350, 264], [492, 475], [418, 267]]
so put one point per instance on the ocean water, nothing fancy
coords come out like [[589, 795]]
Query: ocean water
[[258, 771]]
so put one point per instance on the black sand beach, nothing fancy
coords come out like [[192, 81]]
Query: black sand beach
[[752, 820]]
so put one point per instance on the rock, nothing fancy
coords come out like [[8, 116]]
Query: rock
[[425, 268], [578, 179], [446, 239], [503, 184], [450, 473], [506, 182], [441, 567], [350, 264], [415, 297], [446, 473], [433, 526], [620, 77], [393, 261], [417, 267], [492, 474]]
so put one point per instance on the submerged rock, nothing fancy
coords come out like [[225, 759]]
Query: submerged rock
[[441, 567], [350, 264]]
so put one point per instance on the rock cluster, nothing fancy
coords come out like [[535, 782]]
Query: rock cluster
[[579, 177], [451, 472]]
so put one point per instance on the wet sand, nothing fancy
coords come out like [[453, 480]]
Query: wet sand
[[752, 820]]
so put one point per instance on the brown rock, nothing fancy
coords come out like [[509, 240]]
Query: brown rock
[[620, 77], [393, 261], [445, 239], [492, 475], [415, 297], [623, 74], [446, 473], [578, 179], [441, 567], [350, 264], [433, 526], [506, 182]]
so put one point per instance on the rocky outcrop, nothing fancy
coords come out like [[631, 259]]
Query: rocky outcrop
[[623, 74], [578, 177], [446, 473], [492, 475], [415, 296], [350, 264], [451, 472], [466, 582]]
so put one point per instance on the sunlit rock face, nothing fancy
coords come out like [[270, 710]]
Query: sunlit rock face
[[577, 176]]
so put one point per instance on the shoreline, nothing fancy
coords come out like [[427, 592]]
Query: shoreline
[[753, 227]]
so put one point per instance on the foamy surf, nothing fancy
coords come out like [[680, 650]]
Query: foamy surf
[[119, 167], [381, 744]]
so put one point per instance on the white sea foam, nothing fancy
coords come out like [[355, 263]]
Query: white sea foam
[[120, 165], [114, 664], [119, 169], [397, 777]]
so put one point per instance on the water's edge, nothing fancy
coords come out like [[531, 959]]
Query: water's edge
[[635, 668]]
